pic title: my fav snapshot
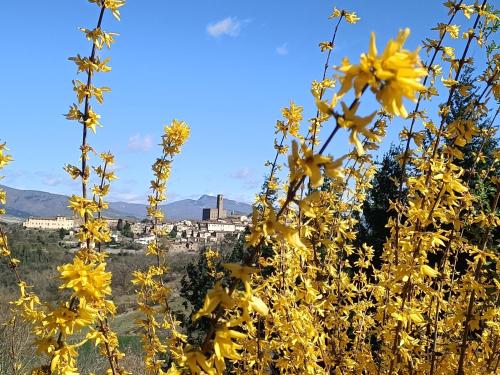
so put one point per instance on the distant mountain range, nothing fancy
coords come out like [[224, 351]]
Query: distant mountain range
[[25, 203]]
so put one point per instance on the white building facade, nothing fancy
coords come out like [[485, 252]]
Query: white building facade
[[50, 223]]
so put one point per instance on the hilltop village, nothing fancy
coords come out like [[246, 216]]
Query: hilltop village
[[185, 235]]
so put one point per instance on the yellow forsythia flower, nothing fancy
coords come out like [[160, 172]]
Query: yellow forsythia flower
[[393, 75]]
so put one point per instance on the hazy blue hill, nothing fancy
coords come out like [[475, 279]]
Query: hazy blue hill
[[25, 203], [191, 208]]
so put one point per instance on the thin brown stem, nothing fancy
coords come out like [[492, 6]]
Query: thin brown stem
[[325, 70], [407, 287], [251, 258], [472, 297]]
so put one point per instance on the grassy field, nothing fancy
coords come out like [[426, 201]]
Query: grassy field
[[40, 253]]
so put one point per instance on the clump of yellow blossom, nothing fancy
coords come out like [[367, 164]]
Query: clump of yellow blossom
[[393, 75]]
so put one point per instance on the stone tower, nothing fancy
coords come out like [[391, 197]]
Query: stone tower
[[215, 213], [220, 206]]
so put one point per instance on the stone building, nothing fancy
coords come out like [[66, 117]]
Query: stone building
[[215, 213], [138, 228], [216, 226], [112, 223], [55, 223]]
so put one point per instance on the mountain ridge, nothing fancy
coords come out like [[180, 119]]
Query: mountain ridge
[[25, 203]]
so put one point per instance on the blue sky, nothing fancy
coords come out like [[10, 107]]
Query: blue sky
[[225, 67]]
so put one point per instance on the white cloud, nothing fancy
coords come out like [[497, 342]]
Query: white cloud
[[138, 142], [244, 197], [52, 181], [127, 196], [230, 26], [246, 177], [240, 174], [55, 179], [282, 50]]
